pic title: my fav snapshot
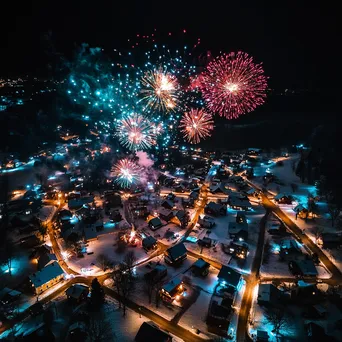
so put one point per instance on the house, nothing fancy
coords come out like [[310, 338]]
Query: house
[[29, 241], [175, 254], [275, 228], [239, 250], [283, 198], [301, 211], [172, 290], [8, 295], [149, 243], [113, 200], [165, 214], [268, 294], [305, 268], [200, 267], [77, 332], [215, 209], [240, 217], [155, 223], [289, 250], [149, 331], [218, 189], [206, 222], [180, 217], [79, 202], [331, 240], [315, 312], [47, 277], [238, 231], [205, 242], [167, 204], [65, 215], [45, 259], [194, 195], [77, 292], [39, 332], [158, 273], [179, 188], [90, 233], [219, 315], [239, 202], [228, 276], [305, 291], [171, 197]]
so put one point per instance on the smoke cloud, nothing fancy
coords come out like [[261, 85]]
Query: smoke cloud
[[144, 159]]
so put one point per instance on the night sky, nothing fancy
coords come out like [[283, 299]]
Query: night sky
[[296, 43]]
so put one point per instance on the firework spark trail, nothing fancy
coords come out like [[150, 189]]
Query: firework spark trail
[[160, 89], [136, 132], [196, 125], [126, 172], [233, 85]]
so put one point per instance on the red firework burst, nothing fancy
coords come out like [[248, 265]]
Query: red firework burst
[[233, 85], [196, 125]]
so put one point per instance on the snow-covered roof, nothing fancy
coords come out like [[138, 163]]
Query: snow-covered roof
[[307, 267], [177, 251], [48, 273], [200, 263], [229, 275], [172, 285], [150, 332], [77, 290]]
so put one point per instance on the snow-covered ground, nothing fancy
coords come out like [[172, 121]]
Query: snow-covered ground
[[105, 244], [287, 176]]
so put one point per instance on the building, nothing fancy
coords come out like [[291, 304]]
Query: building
[[155, 223], [283, 198], [305, 268], [289, 250], [331, 240], [180, 217], [167, 204], [238, 231], [8, 295], [205, 242], [262, 336], [268, 294], [252, 151], [215, 209], [45, 259], [77, 292], [228, 276], [173, 290], [50, 275], [149, 243], [175, 254], [218, 189], [219, 315], [239, 202], [301, 211], [165, 214], [90, 233], [149, 331], [200, 267], [239, 250], [240, 217]]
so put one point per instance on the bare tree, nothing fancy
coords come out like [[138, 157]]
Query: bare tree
[[294, 187], [7, 253], [317, 232], [334, 212], [267, 251], [277, 318], [104, 262], [42, 229], [130, 260], [100, 330], [149, 287]]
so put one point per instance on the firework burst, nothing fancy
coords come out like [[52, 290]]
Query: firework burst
[[160, 89], [136, 132], [126, 172], [196, 125], [233, 85]]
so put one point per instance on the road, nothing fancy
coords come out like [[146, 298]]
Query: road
[[251, 282]]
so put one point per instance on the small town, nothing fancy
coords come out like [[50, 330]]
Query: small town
[[170, 172]]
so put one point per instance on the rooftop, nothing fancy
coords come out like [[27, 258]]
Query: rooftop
[[48, 273], [229, 275]]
